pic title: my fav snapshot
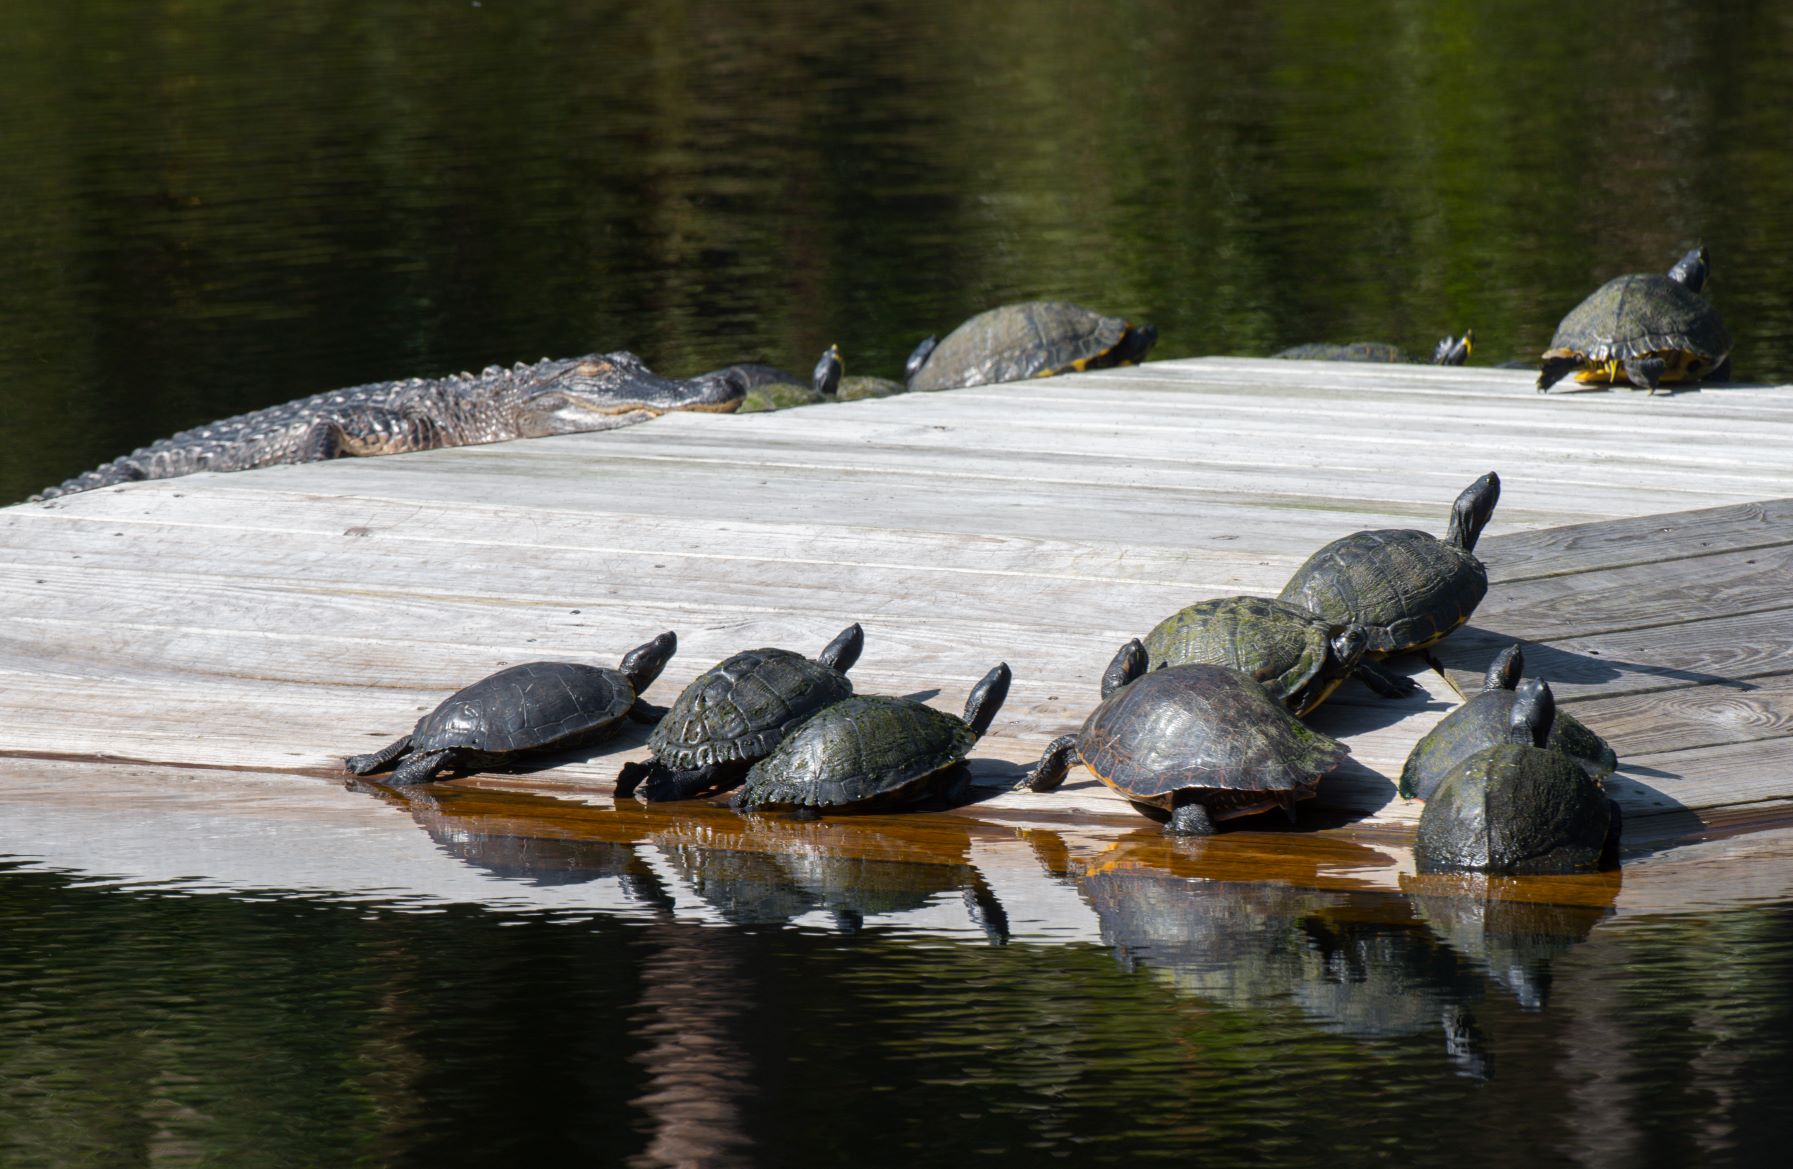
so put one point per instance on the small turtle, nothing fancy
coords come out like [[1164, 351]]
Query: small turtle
[[771, 388], [1645, 329], [1518, 806], [1299, 657], [859, 387], [1408, 589], [1201, 742], [734, 713], [871, 751], [1448, 351], [537, 706], [1483, 720], [1037, 338]]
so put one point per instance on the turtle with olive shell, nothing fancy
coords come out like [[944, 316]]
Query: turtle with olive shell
[[531, 708], [871, 752], [1484, 720], [1448, 351], [1519, 807], [1297, 656], [733, 714], [1203, 743], [1037, 338], [1647, 329], [1407, 588]]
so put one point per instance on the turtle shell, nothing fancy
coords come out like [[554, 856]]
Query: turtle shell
[[1637, 316], [1204, 729], [527, 707], [864, 750], [1515, 809], [1482, 722], [1282, 647], [1037, 338], [1374, 351], [1407, 588], [738, 710]]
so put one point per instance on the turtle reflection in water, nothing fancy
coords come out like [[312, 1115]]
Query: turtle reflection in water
[[1515, 941]]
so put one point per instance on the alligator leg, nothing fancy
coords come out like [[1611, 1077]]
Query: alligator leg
[[1384, 681], [367, 430], [378, 760], [425, 766]]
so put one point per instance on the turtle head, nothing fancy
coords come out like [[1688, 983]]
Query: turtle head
[[1454, 350], [918, 357], [644, 663], [1692, 269], [844, 650], [1348, 645], [826, 377], [604, 390], [1506, 669], [1129, 662], [1469, 515], [1534, 709], [1138, 342], [986, 698]]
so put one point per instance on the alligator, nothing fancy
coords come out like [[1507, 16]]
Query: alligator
[[566, 396]]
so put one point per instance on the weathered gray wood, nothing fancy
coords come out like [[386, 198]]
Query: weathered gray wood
[[1645, 540]]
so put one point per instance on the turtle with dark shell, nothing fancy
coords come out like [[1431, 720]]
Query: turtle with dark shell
[[1037, 338], [531, 708], [1519, 807], [871, 752], [1407, 588], [733, 714], [771, 388], [1299, 657], [1483, 721], [1202, 743], [1448, 351], [1647, 329]]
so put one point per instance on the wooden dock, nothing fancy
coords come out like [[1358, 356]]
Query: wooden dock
[[188, 660]]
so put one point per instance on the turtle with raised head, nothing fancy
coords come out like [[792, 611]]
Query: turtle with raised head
[[1484, 720], [1647, 329], [733, 714], [1297, 656], [526, 709], [1448, 351], [1037, 338], [1407, 588], [785, 390], [1202, 743], [871, 752], [1519, 806]]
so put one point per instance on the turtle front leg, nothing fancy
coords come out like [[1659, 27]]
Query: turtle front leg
[[1645, 371], [630, 776], [1609, 851], [426, 765], [1050, 771], [1189, 818], [664, 785], [378, 760], [1384, 681], [1555, 369]]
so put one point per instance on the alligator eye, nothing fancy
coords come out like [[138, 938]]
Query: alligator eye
[[592, 368]]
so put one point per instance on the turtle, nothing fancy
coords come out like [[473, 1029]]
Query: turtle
[[1518, 806], [1201, 742], [734, 713], [859, 387], [1482, 721], [1297, 656], [533, 707], [1407, 588], [1645, 329], [1037, 338], [1448, 351], [774, 389], [871, 752]]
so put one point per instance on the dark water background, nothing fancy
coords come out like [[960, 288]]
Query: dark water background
[[209, 207]]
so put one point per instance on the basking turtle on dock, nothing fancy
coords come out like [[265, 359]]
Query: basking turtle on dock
[[1448, 351], [1037, 338], [1203, 743], [1407, 588], [871, 752], [734, 713], [1646, 329], [775, 389], [534, 707], [1297, 656], [1483, 721], [1518, 806]]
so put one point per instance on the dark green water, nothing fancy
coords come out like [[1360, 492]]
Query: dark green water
[[207, 208], [210, 207]]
